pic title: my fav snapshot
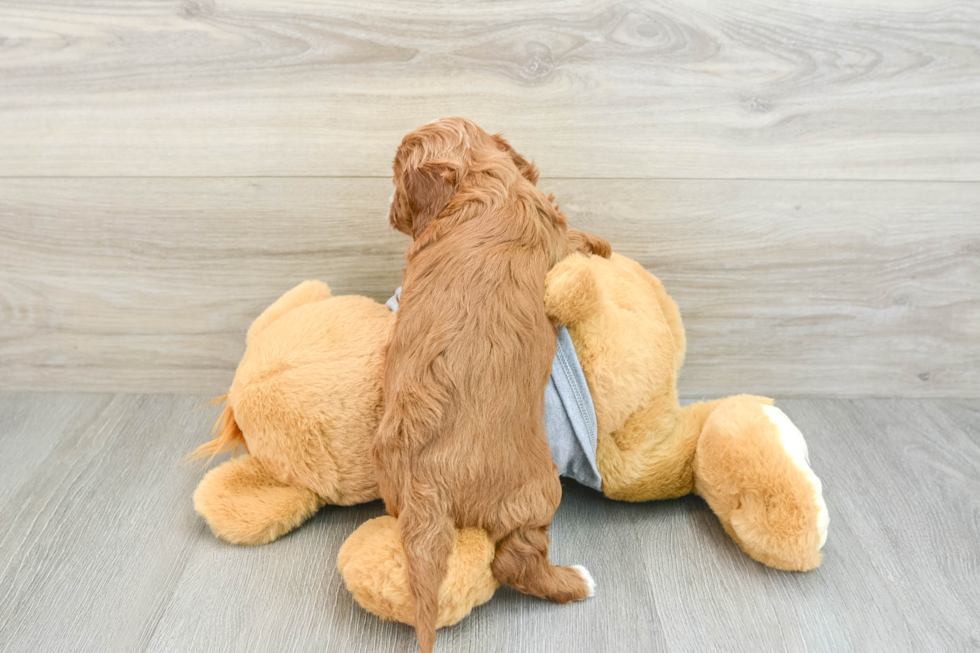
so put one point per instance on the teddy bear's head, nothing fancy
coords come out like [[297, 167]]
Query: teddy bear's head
[[307, 393]]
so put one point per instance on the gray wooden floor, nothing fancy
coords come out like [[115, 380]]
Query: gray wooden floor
[[100, 548]]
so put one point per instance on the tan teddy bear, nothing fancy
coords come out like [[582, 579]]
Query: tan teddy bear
[[306, 401]]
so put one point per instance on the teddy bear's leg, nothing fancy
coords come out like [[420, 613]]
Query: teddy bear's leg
[[751, 467], [244, 504], [372, 562]]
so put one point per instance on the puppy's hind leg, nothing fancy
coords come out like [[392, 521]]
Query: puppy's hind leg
[[522, 562]]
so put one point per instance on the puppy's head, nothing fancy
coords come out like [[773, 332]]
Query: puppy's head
[[433, 161]]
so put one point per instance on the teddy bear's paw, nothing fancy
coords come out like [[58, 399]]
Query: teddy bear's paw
[[587, 577], [572, 291], [792, 440]]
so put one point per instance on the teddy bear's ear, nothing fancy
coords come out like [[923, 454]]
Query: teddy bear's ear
[[305, 293], [571, 291]]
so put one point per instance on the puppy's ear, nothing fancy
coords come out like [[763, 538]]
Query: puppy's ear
[[527, 168], [421, 194]]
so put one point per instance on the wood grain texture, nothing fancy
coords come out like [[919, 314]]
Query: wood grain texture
[[95, 539], [786, 288], [100, 549], [760, 89]]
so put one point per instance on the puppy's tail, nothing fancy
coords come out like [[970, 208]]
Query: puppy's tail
[[428, 534]]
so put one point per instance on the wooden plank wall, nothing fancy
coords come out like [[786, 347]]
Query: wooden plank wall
[[804, 177]]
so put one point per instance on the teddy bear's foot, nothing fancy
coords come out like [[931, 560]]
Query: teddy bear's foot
[[244, 504], [751, 467], [372, 562]]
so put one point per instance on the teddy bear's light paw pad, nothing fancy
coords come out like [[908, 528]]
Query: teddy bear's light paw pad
[[795, 446], [584, 573]]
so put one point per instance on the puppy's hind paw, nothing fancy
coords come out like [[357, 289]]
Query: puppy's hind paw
[[587, 577]]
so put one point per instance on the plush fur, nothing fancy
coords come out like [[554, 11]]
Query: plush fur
[[373, 563], [630, 341], [729, 451], [462, 442], [249, 505], [305, 403]]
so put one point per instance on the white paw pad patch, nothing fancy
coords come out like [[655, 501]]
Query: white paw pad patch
[[584, 573], [795, 446]]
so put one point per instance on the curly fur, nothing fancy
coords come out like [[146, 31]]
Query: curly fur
[[462, 441]]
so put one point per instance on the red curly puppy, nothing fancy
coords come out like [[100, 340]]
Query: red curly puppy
[[462, 441]]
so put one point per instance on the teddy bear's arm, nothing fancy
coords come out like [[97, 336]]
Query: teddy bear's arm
[[571, 291]]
